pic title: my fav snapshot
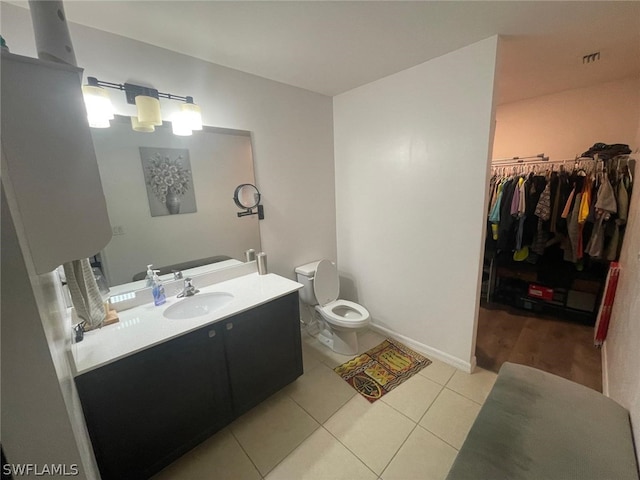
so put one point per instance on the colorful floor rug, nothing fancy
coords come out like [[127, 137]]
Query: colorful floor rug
[[381, 369]]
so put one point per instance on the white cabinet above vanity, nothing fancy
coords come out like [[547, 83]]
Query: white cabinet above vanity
[[49, 167]]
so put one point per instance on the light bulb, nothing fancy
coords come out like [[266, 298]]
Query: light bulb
[[193, 114], [181, 124], [98, 105]]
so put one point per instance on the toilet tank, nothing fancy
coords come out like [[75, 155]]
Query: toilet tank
[[305, 274]]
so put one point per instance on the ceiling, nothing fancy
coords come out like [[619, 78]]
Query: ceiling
[[330, 47]]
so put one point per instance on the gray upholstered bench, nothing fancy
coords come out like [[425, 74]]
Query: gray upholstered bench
[[535, 426]]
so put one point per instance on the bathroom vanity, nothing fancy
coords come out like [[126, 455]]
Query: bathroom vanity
[[152, 387]]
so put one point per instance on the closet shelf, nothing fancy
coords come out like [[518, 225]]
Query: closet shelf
[[576, 294]]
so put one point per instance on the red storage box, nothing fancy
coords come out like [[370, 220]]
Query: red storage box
[[538, 291]]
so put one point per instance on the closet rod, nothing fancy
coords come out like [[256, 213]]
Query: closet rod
[[538, 157], [575, 159], [534, 160]]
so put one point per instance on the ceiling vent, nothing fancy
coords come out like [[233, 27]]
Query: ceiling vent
[[591, 58]]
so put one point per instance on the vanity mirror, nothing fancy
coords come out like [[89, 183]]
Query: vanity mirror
[[247, 197], [168, 197]]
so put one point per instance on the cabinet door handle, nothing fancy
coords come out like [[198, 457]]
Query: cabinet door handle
[[212, 333], [229, 326]]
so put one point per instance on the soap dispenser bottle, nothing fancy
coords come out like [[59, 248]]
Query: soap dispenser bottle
[[149, 277], [159, 296]]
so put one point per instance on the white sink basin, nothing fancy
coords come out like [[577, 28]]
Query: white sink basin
[[198, 305]]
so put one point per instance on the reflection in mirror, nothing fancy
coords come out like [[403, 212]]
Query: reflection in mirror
[[168, 198]]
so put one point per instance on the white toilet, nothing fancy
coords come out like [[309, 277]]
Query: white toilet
[[341, 317]]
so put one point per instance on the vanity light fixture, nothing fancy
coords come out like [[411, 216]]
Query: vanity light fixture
[[147, 102]]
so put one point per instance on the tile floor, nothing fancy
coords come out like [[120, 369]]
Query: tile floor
[[319, 428]]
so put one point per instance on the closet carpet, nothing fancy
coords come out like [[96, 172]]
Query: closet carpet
[[506, 334]]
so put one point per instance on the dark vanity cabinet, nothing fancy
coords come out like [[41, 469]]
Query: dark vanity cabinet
[[156, 404], [263, 350], [146, 410]]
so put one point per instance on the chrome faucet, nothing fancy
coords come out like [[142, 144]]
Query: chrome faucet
[[177, 274], [189, 290]]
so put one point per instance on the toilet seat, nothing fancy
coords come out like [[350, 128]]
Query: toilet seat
[[326, 282], [346, 314], [340, 313]]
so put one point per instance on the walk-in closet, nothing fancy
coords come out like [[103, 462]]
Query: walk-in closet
[[555, 224]]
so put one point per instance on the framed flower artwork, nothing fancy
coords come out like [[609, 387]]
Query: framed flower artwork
[[169, 181]]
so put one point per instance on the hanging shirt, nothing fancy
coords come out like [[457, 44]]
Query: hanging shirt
[[496, 188], [606, 198], [522, 197], [567, 207], [515, 200], [494, 214], [506, 219], [613, 249], [585, 202], [543, 208], [556, 193], [571, 253]]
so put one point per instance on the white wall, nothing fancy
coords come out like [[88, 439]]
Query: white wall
[[622, 347], [411, 153], [41, 420], [565, 124], [291, 129]]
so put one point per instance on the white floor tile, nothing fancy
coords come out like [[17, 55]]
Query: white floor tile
[[310, 359], [413, 397], [321, 392], [368, 339], [218, 457], [438, 371], [475, 386], [282, 438], [422, 457], [450, 417], [323, 353], [374, 432], [321, 457], [272, 430]]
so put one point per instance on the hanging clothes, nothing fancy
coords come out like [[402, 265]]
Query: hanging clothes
[[515, 200], [567, 208], [613, 249], [605, 205], [575, 209], [571, 252], [494, 214], [506, 219], [543, 213]]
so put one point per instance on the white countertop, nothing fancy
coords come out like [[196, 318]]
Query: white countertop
[[142, 327]]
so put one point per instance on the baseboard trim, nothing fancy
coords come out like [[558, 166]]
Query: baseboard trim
[[467, 367], [605, 370]]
